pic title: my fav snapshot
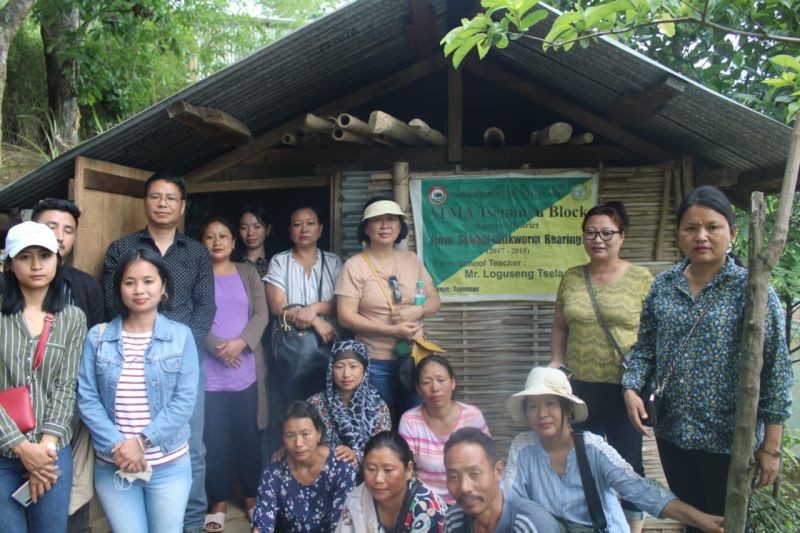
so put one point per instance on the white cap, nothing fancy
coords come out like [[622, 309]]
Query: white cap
[[383, 207], [28, 234], [543, 381]]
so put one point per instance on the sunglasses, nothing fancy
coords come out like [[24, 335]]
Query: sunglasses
[[394, 284]]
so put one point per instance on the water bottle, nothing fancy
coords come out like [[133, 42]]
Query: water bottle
[[419, 293]]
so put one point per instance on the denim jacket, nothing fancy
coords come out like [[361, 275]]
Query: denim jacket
[[171, 374]]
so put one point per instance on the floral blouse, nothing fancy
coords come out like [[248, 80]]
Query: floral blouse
[[700, 396], [285, 505]]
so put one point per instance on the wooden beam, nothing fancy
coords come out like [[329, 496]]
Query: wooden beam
[[630, 109], [105, 182], [569, 110], [505, 156], [421, 30], [349, 101], [253, 185], [210, 123], [719, 177], [455, 114]]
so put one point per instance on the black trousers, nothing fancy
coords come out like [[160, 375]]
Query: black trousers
[[230, 426], [609, 418], [696, 477]]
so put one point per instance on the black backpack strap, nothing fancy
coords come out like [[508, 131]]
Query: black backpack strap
[[593, 501]]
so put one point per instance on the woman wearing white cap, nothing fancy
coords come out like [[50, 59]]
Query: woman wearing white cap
[[41, 338], [543, 465], [376, 294]]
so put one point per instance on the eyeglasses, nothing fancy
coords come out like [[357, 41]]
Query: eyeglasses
[[605, 235], [394, 284]]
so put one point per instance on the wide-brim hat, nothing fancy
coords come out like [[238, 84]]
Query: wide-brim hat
[[28, 234], [383, 207], [543, 381]]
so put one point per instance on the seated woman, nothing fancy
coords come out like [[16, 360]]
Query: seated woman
[[390, 499], [136, 391], [350, 407], [427, 427], [542, 464], [304, 491]]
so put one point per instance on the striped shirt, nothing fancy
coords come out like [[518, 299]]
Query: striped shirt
[[518, 516], [53, 383], [428, 447], [132, 412], [284, 269]]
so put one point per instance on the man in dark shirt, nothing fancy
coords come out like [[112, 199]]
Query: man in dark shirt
[[193, 301], [82, 291], [474, 471]]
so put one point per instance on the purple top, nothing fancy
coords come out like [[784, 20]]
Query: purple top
[[233, 310]]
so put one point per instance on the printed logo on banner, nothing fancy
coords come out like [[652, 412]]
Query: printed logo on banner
[[437, 195]]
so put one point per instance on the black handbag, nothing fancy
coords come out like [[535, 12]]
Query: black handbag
[[299, 353]]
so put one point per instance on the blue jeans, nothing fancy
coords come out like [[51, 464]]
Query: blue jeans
[[156, 505], [49, 514], [383, 376], [197, 505]]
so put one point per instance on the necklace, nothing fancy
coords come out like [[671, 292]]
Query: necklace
[[381, 264]]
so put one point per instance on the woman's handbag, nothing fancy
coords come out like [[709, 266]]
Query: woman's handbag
[[419, 348], [299, 353], [17, 401]]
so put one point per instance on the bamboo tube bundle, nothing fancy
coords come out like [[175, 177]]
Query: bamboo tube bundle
[[340, 135], [395, 129], [318, 124], [494, 136], [301, 137], [557, 133], [427, 134], [583, 138], [384, 140], [350, 123]]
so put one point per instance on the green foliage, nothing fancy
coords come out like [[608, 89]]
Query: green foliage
[[724, 44], [772, 514], [786, 274]]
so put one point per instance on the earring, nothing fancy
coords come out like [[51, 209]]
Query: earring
[[164, 298]]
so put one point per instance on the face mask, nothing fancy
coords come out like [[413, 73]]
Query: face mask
[[120, 477]]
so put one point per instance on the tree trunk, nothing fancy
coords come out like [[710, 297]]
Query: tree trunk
[[58, 32], [761, 262], [12, 15]]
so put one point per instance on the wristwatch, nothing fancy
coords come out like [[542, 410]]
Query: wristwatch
[[773, 453]]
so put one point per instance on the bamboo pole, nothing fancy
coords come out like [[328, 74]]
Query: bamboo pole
[[583, 138], [348, 122], [340, 135], [494, 136], [428, 134], [387, 125], [318, 124], [557, 133]]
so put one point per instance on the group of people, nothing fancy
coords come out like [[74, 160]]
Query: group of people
[[176, 374]]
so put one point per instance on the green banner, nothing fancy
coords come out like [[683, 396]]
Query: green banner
[[508, 237]]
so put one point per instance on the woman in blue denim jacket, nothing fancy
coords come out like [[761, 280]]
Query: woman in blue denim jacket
[[136, 389]]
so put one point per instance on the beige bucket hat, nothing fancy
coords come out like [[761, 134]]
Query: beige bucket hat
[[543, 381]]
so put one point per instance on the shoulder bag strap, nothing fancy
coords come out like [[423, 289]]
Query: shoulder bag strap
[[378, 281], [588, 280], [321, 275], [38, 358], [593, 501]]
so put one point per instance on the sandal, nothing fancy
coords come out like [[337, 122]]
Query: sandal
[[217, 519]]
